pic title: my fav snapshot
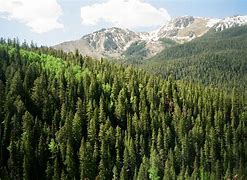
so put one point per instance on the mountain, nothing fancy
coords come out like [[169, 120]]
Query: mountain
[[229, 22], [178, 30], [218, 58], [123, 43], [185, 28], [105, 42], [111, 42]]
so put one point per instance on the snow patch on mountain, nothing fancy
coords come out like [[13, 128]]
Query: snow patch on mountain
[[113, 42], [212, 22], [230, 22]]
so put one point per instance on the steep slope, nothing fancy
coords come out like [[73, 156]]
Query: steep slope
[[186, 28], [82, 46], [118, 43], [103, 43], [217, 58], [112, 41], [230, 22]]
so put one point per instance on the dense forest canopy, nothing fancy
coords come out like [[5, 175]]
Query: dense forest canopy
[[65, 116]]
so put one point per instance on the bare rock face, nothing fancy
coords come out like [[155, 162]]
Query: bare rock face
[[103, 43], [185, 28], [119, 43], [112, 40]]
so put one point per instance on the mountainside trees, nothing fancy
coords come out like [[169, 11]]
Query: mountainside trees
[[216, 59], [64, 116]]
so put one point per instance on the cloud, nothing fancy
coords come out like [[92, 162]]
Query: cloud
[[124, 13], [40, 15]]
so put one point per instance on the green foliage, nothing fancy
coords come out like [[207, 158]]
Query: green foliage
[[217, 59], [53, 147], [70, 117], [136, 50], [168, 42]]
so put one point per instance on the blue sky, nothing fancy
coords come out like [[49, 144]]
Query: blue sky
[[48, 22]]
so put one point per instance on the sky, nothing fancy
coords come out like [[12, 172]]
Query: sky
[[49, 22]]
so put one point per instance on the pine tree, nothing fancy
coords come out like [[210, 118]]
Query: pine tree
[[56, 171], [87, 161], [70, 162], [27, 146], [77, 128], [143, 170], [115, 173], [154, 163], [121, 108]]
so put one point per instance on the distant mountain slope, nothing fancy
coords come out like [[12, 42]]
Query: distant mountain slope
[[118, 43], [229, 22], [186, 28], [112, 41], [213, 59], [82, 46], [105, 42], [212, 41]]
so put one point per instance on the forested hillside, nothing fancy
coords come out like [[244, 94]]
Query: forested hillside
[[64, 116], [217, 58]]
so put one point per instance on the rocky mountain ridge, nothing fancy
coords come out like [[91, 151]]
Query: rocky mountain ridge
[[123, 43]]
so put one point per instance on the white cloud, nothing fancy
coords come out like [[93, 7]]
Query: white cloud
[[40, 15], [124, 13]]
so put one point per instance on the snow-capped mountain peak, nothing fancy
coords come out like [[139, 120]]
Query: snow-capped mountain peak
[[184, 28], [212, 22], [114, 42], [230, 22], [111, 39]]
